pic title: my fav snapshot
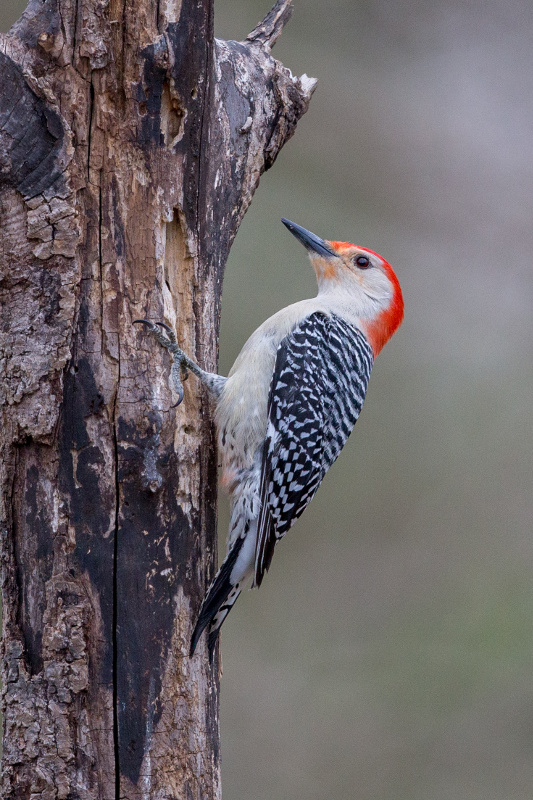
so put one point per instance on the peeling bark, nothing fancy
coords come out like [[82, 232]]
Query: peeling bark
[[131, 143]]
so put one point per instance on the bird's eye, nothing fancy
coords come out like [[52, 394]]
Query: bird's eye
[[362, 261]]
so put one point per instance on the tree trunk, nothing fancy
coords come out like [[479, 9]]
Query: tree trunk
[[131, 143]]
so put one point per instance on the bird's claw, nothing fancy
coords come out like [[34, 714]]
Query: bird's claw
[[143, 322], [180, 398], [179, 369], [169, 331], [176, 376], [166, 327], [168, 341]]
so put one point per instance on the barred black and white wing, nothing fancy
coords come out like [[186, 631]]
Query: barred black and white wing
[[316, 394]]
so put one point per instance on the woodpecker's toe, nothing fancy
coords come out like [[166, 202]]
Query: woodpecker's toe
[[168, 341], [167, 328]]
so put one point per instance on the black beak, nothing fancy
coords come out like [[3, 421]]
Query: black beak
[[308, 239]]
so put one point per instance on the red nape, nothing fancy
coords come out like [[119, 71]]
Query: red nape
[[379, 330]]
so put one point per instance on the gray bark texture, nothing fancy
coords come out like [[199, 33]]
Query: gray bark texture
[[131, 143]]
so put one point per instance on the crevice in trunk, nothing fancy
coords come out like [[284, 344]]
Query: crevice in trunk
[[90, 127], [116, 739]]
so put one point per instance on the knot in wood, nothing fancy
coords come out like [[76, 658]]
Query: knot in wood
[[46, 41]]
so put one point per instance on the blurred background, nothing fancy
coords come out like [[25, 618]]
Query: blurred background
[[388, 655]]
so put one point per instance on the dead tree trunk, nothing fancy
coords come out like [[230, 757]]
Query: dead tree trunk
[[131, 143]]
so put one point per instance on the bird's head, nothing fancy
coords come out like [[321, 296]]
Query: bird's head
[[364, 280]]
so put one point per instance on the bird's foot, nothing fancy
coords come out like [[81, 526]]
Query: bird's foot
[[167, 338]]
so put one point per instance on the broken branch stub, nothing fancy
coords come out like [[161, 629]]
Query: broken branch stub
[[268, 31]]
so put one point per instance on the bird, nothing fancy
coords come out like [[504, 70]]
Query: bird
[[288, 405]]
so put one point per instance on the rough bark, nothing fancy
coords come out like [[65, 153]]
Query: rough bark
[[131, 143]]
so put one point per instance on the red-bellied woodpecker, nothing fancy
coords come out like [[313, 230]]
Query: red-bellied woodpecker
[[289, 404]]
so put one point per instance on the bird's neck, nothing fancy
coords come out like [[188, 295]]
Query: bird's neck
[[378, 320]]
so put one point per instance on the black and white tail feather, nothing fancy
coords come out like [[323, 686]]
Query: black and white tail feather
[[218, 601], [316, 394]]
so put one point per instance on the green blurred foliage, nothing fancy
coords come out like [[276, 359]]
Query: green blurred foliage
[[388, 654]]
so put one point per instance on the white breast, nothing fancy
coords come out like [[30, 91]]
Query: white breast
[[241, 413]]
